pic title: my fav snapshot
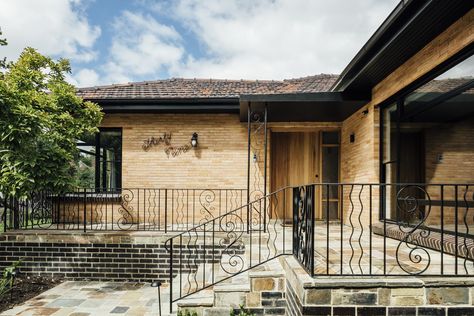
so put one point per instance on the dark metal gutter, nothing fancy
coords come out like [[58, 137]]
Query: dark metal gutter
[[175, 105], [299, 97]]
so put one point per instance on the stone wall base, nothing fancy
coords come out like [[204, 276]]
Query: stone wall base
[[375, 295]]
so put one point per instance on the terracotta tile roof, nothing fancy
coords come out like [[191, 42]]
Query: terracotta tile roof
[[206, 88], [444, 85]]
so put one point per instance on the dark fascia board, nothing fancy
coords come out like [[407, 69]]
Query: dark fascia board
[[410, 18], [335, 106], [331, 96], [173, 105]]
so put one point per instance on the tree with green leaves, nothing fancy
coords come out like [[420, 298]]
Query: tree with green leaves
[[3, 42], [41, 119]]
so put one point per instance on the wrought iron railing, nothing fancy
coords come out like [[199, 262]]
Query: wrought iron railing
[[385, 229], [229, 250], [141, 209], [333, 229]]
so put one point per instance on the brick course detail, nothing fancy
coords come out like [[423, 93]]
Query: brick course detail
[[79, 260]]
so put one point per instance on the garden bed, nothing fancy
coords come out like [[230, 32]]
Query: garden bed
[[25, 288]]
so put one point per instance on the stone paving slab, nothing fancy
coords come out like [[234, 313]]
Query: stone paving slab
[[82, 298]]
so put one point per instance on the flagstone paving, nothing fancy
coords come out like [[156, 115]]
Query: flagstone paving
[[362, 253], [82, 298]]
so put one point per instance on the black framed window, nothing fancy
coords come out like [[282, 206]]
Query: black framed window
[[100, 160], [422, 126]]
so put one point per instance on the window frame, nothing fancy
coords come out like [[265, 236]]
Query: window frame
[[399, 99], [102, 187]]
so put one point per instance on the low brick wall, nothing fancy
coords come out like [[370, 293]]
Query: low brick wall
[[137, 257]]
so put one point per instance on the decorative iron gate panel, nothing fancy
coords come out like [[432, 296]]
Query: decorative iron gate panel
[[303, 226], [257, 167]]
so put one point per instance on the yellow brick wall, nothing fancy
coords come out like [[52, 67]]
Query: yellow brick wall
[[455, 142], [219, 161], [359, 163], [360, 160]]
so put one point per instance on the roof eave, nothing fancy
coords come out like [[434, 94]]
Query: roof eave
[[386, 50], [319, 106], [172, 105]]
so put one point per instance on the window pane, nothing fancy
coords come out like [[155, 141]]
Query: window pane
[[110, 158], [330, 137], [88, 139], [417, 101], [390, 133], [330, 172], [100, 169], [85, 174]]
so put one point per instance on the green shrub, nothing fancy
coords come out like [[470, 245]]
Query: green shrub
[[186, 312], [242, 312], [8, 278]]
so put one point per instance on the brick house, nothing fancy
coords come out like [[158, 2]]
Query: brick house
[[351, 167]]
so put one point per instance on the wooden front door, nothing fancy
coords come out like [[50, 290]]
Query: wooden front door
[[294, 161]]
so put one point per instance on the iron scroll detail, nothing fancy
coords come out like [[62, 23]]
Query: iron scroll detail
[[303, 226], [411, 220], [232, 261], [125, 222]]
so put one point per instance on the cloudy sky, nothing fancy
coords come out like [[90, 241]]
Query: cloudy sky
[[116, 41]]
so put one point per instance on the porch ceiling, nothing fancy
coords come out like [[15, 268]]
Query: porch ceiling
[[302, 107], [411, 25]]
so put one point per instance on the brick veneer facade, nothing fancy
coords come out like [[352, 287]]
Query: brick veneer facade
[[219, 161], [360, 160]]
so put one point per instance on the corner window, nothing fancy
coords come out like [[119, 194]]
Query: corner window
[[426, 135], [100, 160]]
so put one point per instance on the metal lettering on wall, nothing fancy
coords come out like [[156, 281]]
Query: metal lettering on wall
[[154, 141], [176, 151], [169, 150]]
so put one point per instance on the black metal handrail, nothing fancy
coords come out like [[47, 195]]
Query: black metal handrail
[[224, 246], [357, 229], [131, 209]]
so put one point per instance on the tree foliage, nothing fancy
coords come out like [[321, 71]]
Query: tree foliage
[[41, 118], [3, 62]]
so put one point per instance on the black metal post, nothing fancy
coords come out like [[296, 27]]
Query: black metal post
[[166, 210], [85, 213], [4, 214], [157, 284], [248, 166], [16, 215], [159, 298], [171, 275], [265, 170]]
